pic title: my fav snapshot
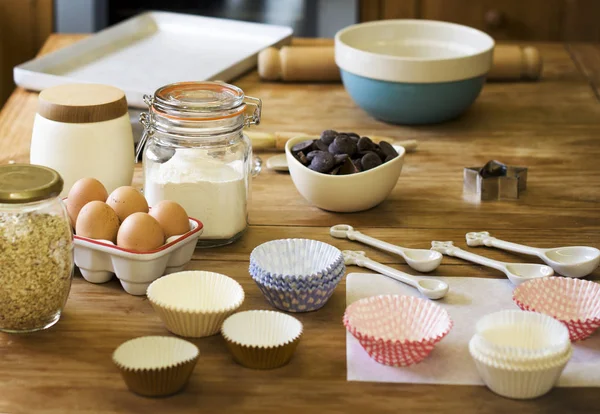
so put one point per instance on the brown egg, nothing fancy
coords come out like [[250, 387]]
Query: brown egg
[[126, 201], [140, 232], [172, 218], [82, 192], [97, 220]]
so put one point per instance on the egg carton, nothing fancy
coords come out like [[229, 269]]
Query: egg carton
[[99, 260]]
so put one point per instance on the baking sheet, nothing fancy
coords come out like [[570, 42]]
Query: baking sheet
[[450, 362], [154, 49]]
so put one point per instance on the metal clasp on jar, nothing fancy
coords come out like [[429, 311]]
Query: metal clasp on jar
[[147, 122], [253, 119]]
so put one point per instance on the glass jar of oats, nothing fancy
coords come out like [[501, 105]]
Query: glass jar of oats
[[36, 248]]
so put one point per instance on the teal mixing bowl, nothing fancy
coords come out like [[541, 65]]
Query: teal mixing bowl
[[413, 71]]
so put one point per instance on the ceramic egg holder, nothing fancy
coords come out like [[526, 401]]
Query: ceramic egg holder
[[505, 187]]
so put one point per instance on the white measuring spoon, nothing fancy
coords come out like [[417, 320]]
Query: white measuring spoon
[[572, 261], [422, 260], [517, 272], [430, 288]]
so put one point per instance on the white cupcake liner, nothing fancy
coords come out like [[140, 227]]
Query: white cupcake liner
[[262, 339], [517, 359], [301, 258], [195, 303], [574, 302], [520, 335], [156, 365], [519, 383]]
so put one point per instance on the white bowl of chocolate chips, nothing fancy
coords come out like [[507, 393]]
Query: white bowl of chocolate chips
[[343, 172]]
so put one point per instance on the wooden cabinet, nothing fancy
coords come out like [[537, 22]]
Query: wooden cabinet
[[24, 27], [549, 20]]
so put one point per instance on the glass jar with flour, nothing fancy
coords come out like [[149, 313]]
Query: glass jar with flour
[[195, 153]]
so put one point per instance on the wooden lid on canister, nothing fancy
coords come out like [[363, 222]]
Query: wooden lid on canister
[[82, 103]]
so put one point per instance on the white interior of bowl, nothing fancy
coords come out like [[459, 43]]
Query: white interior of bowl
[[565, 299], [417, 39], [196, 291], [154, 352], [261, 328], [300, 257], [398, 318]]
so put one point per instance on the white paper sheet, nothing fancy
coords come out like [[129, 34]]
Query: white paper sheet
[[450, 362]]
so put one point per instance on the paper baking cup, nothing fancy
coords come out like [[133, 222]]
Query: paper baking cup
[[514, 335], [195, 303], [519, 382], [298, 282], [156, 366], [262, 339], [298, 300], [574, 302], [299, 258], [397, 330]]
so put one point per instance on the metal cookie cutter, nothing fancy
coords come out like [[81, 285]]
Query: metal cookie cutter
[[506, 187]]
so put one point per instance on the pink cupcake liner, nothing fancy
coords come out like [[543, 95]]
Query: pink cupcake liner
[[574, 302], [397, 330]]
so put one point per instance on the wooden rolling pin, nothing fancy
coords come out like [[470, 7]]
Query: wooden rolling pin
[[277, 140], [317, 63]]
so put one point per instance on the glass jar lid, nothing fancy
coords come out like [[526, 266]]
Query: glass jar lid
[[25, 183], [198, 100]]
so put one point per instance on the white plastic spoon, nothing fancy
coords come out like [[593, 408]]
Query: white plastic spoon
[[422, 260], [572, 261], [430, 288], [517, 272]]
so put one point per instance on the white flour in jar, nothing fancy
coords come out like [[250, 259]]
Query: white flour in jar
[[210, 190]]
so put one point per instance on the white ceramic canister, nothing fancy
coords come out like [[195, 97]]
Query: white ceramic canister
[[83, 130]]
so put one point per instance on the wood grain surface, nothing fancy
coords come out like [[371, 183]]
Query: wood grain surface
[[551, 126]]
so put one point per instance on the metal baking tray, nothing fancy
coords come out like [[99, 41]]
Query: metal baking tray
[[154, 49]]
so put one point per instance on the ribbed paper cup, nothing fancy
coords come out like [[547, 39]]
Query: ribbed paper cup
[[297, 300], [262, 339], [574, 302], [514, 335], [293, 259], [195, 303], [397, 330], [519, 382], [298, 282], [156, 366]]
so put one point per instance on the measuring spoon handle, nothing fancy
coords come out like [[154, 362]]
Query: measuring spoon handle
[[373, 242], [449, 249], [484, 238], [387, 271]]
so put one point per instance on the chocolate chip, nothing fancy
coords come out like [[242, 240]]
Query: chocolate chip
[[352, 135], [493, 169], [340, 158], [335, 171], [370, 161], [364, 144], [321, 146], [390, 157], [357, 164], [303, 146], [322, 162], [348, 167], [387, 148], [302, 158], [343, 144], [311, 155], [328, 136]]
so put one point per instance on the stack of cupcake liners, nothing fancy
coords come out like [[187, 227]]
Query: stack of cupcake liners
[[520, 354], [574, 302], [297, 275]]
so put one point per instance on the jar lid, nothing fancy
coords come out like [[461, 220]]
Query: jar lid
[[24, 183], [82, 103], [200, 100]]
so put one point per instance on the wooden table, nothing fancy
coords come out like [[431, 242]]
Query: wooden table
[[553, 127]]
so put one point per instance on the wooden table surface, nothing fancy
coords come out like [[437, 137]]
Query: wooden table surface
[[552, 126]]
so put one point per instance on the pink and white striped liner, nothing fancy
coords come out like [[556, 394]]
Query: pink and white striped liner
[[574, 302], [397, 330]]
